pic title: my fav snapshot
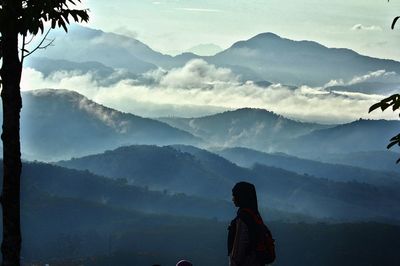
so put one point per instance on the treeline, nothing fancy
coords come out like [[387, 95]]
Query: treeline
[[203, 242]]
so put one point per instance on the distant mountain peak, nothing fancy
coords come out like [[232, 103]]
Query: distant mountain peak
[[252, 110], [55, 92], [206, 49], [266, 35]]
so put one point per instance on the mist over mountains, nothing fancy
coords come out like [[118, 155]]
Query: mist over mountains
[[281, 114], [245, 127], [59, 124], [114, 70], [266, 56], [204, 174]]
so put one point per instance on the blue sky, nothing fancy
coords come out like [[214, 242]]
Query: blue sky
[[176, 25]]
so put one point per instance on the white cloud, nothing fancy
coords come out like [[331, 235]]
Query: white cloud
[[200, 88], [197, 74], [362, 27], [372, 76]]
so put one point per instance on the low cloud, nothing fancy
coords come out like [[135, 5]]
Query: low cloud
[[197, 74], [373, 76], [199, 88], [361, 27]]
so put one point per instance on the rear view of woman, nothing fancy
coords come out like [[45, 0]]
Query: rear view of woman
[[244, 231]]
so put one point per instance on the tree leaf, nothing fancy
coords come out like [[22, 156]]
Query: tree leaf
[[374, 107], [394, 21], [392, 144]]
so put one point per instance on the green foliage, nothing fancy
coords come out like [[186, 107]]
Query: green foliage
[[394, 21], [394, 102], [33, 14]]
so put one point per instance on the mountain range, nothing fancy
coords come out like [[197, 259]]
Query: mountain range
[[64, 226], [247, 127], [358, 136], [127, 190], [338, 172], [266, 56], [265, 131], [57, 124], [60, 124], [197, 172]]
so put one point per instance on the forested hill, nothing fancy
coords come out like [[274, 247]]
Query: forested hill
[[74, 217], [247, 157], [247, 127], [199, 172], [358, 136], [59, 124]]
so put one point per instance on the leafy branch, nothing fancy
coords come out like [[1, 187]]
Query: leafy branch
[[394, 21], [394, 102], [391, 101], [33, 14]]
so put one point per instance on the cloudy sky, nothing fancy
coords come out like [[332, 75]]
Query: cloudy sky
[[173, 26], [199, 88]]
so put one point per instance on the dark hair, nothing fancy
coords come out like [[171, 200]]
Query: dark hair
[[245, 195]]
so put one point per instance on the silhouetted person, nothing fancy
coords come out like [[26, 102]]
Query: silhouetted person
[[242, 230], [184, 263]]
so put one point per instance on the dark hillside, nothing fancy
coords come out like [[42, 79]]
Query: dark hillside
[[192, 171], [60, 124]]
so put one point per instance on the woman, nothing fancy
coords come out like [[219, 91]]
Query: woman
[[242, 230]]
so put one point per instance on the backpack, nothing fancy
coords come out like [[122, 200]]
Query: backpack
[[265, 244]]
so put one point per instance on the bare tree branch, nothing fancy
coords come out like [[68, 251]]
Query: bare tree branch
[[41, 45], [28, 42], [1, 48], [23, 49]]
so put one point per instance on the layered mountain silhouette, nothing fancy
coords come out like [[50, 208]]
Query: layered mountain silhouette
[[58, 124], [117, 193], [248, 127], [81, 227], [201, 173], [68, 215], [266, 56], [358, 136], [123, 203], [102, 74], [377, 160], [115, 50], [337, 172], [159, 168], [299, 62]]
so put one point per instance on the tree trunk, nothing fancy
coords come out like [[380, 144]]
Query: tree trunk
[[12, 104]]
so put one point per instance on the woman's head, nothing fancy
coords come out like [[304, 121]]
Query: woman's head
[[184, 263], [244, 196]]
